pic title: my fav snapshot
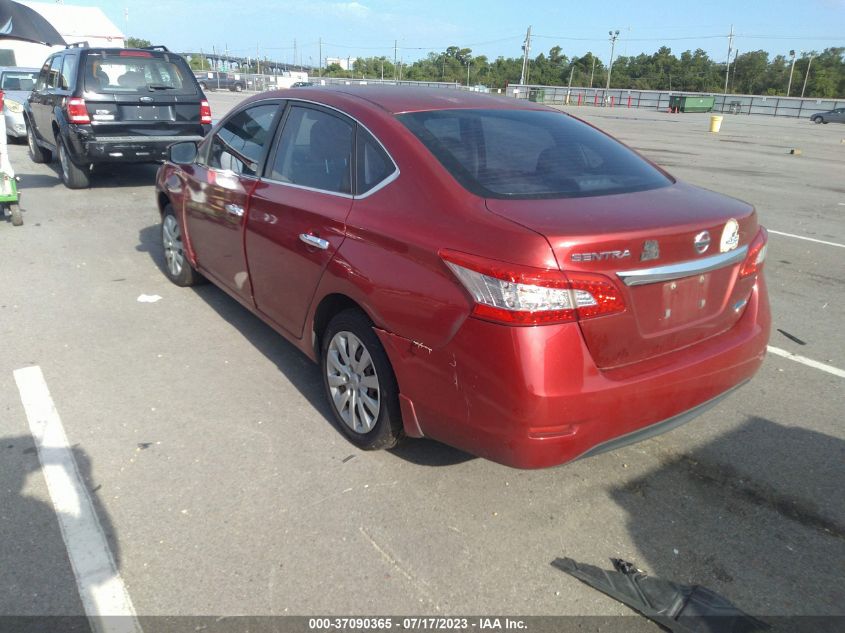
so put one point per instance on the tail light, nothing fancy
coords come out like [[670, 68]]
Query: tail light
[[756, 254], [205, 112], [77, 111], [520, 295]]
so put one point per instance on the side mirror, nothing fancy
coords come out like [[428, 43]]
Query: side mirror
[[184, 153]]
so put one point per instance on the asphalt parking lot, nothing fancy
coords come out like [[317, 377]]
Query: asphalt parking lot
[[222, 488]]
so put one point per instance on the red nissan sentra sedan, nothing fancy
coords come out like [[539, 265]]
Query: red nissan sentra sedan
[[486, 272]]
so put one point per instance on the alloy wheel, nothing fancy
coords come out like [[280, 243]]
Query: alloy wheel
[[353, 382], [171, 237]]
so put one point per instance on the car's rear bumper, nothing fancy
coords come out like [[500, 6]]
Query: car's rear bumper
[[532, 397], [86, 148]]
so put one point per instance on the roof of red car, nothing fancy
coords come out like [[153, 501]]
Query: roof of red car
[[397, 99]]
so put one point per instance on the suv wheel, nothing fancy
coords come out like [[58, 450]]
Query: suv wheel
[[74, 177], [37, 154], [359, 382], [238, 87], [818, 119]]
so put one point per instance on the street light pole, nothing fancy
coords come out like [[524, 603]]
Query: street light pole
[[468, 63], [804, 87], [792, 68], [613, 36]]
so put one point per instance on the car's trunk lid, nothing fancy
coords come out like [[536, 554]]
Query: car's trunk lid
[[675, 294]]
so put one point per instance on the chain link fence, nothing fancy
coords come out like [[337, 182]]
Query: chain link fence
[[794, 107]]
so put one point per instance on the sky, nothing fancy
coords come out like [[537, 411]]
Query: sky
[[363, 28]]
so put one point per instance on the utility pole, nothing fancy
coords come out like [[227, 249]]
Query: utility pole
[[791, 69], [320, 64], [395, 48], [257, 60], [613, 36], [569, 88], [526, 50], [733, 76], [728, 69], [593, 70], [294, 51], [804, 87], [468, 63]]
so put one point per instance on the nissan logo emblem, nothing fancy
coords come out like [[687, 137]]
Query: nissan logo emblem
[[702, 242]]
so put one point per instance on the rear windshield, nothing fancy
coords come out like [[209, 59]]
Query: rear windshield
[[18, 80], [131, 73], [517, 154]]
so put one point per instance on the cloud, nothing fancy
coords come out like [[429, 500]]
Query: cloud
[[351, 9]]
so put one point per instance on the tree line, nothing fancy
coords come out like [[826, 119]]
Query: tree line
[[754, 72]]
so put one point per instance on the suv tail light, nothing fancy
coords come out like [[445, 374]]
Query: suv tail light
[[205, 112], [77, 111], [520, 295], [756, 254]]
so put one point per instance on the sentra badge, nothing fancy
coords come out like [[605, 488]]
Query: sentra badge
[[602, 256], [730, 236]]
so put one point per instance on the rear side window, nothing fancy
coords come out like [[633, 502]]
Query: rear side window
[[239, 145], [139, 73], [530, 154], [315, 151], [54, 78], [68, 72], [373, 164]]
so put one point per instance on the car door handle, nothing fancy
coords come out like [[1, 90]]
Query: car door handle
[[313, 240], [234, 209]]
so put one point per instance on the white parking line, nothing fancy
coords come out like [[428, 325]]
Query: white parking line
[[807, 361], [809, 239], [100, 586]]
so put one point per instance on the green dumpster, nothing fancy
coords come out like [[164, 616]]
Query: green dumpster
[[689, 103], [537, 94]]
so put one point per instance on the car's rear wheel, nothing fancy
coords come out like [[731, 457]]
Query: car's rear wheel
[[359, 382], [238, 87], [73, 176], [37, 154], [176, 265]]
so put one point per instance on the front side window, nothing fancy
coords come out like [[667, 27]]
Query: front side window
[[239, 145], [315, 151], [44, 75], [520, 154]]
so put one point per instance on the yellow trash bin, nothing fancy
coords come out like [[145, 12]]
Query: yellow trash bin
[[715, 123]]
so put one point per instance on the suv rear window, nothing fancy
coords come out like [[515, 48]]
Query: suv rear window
[[137, 72], [516, 154]]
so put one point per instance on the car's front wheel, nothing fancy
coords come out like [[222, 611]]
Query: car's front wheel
[[176, 265], [73, 176], [817, 120], [37, 154], [359, 382]]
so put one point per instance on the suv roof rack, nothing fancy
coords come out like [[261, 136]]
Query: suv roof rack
[[78, 45], [157, 47]]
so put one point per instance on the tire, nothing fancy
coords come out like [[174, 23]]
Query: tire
[[354, 364], [238, 87], [204, 86], [15, 212], [817, 120], [73, 176], [176, 265], [36, 153]]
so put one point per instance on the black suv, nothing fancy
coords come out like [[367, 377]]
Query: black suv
[[112, 105]]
